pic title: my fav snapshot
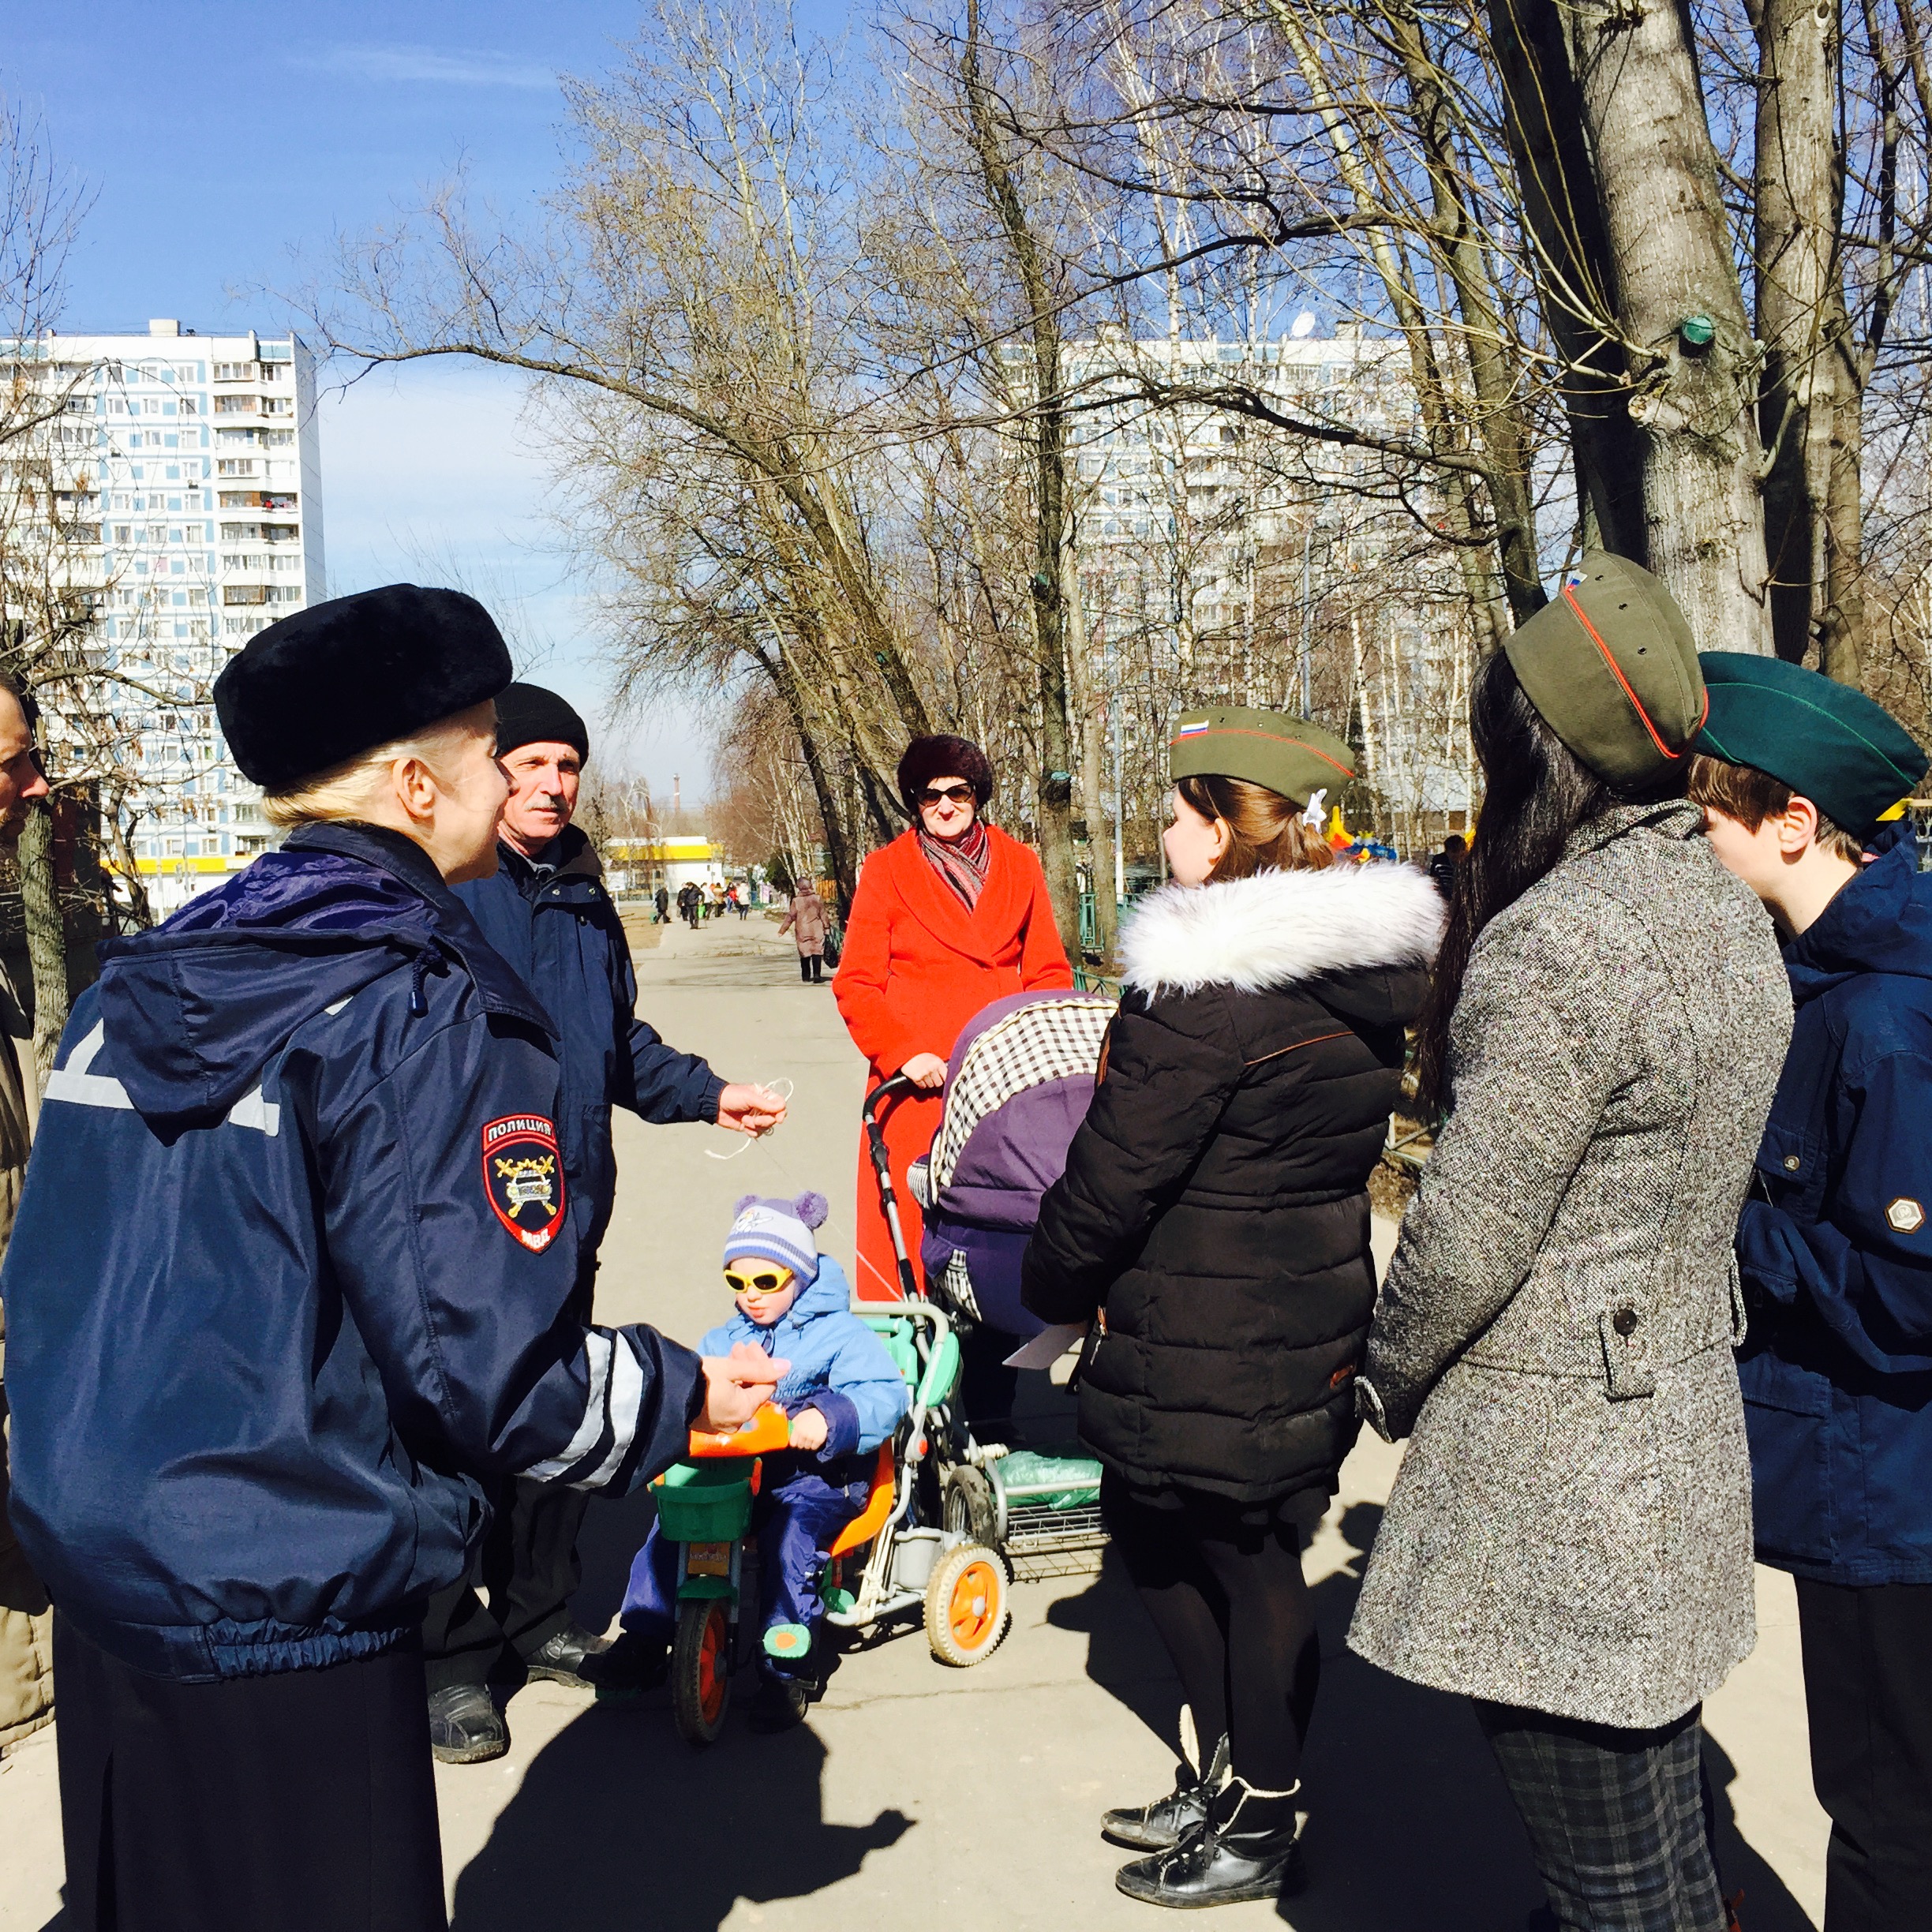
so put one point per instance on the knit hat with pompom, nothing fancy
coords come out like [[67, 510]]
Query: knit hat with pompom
[[777, 1231]]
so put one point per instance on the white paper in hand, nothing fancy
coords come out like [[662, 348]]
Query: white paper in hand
[[1048, 1346]]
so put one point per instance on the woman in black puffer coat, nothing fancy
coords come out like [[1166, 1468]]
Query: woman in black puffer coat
[[1213, 1222]]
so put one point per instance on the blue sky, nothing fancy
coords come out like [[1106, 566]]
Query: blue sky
[[220, 140]]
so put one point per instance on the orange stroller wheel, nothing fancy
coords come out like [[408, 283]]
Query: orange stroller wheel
[[967, 1607]]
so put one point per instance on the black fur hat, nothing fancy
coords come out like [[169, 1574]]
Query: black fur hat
[[943, 756], [344, 676]]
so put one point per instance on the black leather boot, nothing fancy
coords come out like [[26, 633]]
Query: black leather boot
[[1164, 1822], [1245, 1849]]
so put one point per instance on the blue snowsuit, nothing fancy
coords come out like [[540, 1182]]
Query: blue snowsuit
[[840, 1367], [559, 931], [294, 1269], [1835, 1247]]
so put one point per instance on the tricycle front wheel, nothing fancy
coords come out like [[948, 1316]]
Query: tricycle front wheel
[[701, 1671]]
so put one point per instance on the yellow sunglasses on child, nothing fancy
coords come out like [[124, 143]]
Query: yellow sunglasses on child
[[766, 1281]]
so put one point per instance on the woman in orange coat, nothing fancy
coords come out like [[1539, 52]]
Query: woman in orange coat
[[950, 916]]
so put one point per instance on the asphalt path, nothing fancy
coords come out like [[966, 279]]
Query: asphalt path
[[917, 1795]]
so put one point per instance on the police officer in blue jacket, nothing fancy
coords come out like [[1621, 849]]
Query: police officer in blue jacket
[[1801, 784], [545, 910], [294, 1284]]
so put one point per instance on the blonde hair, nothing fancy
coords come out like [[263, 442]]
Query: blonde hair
[[1266, 832], [349, 790]]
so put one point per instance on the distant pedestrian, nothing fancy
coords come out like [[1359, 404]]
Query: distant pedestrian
[[806, 921], [742, 897], [1568, 1539], [1445, 864], [1835, 1250], [661, 906]]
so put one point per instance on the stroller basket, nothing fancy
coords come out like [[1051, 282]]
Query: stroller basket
[[1046, 1511]]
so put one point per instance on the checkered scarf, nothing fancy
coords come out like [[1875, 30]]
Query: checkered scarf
[[961, 862]]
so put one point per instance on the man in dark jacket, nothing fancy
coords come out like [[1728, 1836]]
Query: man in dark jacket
[[545, 910], [1802, 785]]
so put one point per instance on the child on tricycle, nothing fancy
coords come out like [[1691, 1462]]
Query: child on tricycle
[[843, 1396]]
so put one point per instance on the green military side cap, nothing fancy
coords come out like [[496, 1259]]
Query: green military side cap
[[1851, 758], [1611, 665], [1287, 755]]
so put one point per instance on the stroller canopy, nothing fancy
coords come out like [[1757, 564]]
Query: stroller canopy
[[1019, 1083]]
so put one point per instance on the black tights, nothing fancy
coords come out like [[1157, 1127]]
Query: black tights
[[1230, 1602], [808, 967]]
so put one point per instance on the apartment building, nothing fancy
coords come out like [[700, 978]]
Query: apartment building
[[1222, 559], [187, 475]]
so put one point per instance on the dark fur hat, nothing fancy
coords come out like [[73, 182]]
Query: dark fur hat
[[943, 756], [346, 676]]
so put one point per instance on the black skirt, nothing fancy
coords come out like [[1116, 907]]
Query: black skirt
[[303, 1802]]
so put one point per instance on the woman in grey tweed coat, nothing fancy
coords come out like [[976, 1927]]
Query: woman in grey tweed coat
[[1569, 1540]]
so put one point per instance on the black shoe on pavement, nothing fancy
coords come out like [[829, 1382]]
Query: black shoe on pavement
[[781, 1703], [465, 1725], [622, 1671], [562, 1657], [1245, 1848], [1158, 1826]]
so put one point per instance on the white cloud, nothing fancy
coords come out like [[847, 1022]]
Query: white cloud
[[458, 67]]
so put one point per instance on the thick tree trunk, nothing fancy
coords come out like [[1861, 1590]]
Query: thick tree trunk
[[1794, 244], [1656, 181], [1054, 805], [1575, 276], [46, 943]]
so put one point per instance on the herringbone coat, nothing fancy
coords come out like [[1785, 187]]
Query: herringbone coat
[[1571, 1527]]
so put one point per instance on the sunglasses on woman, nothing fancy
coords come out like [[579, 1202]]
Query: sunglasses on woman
[[952, 794], [766, 1281]]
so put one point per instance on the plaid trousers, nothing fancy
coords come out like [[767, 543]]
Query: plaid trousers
[[1619, 1821]]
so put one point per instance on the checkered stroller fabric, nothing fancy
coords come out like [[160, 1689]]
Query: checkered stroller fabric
[[1050, 1039], [1019, 1083]]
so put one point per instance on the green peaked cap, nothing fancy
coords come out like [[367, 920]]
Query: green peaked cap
[[1290, 755], [1850, 757], [1611, 665]]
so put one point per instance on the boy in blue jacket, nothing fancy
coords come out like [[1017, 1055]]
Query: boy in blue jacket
[[844, 1396], [1801, 781]]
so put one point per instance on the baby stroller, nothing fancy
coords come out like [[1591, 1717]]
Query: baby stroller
[[1018, 1084]]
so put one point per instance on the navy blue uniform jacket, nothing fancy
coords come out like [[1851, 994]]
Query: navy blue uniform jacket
[[294, 1269], [563, 936], [1835, 1247]]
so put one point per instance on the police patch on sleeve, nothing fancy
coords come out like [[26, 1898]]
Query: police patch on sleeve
[[523, 1177]]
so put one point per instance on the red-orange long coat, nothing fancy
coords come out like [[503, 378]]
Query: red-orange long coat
[[916, 966]]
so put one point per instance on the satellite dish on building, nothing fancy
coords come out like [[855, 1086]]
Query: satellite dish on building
[[1304, 325]]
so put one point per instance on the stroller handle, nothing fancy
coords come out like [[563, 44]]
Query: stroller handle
[[893, 1087]]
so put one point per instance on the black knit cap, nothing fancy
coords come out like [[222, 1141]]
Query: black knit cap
[[943, 756], [346, 676], [528, 714]]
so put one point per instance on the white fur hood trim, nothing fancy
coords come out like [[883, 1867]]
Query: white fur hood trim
[[1278, 928]]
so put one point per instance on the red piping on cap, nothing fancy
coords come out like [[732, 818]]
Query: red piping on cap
[[1616, 672]]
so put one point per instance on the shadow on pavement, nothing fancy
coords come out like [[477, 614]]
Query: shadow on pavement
[[618, 1825], [1409, 1823]]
